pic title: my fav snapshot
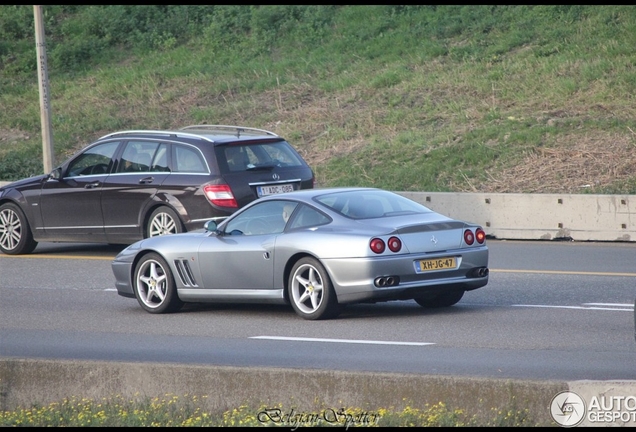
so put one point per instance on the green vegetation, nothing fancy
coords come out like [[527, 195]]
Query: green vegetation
[[190, 411], [409, 98]]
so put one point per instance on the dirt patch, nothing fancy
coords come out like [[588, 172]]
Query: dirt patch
[[8, 136], [576, 163]]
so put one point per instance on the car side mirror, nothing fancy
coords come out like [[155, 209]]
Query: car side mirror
[[56, 173], [210, 226]]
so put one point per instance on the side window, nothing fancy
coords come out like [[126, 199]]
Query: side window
[[95, 160], [187, 159], [160, 159], [137, 156], [308, 217], [268, 217]]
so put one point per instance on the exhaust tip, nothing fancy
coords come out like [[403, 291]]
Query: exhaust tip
[[384, 281], [480, 272]]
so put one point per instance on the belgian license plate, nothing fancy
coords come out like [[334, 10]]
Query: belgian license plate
[[435, 264], [274, 189]]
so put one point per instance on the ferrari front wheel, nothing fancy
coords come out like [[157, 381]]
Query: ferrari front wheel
[[154, 285]]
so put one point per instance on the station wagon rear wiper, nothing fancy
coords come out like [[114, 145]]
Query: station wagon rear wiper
[[267, 166]]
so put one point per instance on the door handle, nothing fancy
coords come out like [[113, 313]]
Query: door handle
[[91, 185], [146, 180]]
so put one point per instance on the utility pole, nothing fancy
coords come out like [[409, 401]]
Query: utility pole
[[48, 157]]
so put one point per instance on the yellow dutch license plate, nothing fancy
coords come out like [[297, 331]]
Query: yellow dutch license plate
[[436, 264]]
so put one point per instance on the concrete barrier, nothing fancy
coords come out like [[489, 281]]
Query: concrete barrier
[[539, 216], [583, 217], [24, 382]]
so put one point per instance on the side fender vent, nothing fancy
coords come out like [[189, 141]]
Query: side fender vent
[[185, 273]]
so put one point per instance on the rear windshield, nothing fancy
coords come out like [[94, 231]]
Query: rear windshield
[[257, 156], [370, 204]]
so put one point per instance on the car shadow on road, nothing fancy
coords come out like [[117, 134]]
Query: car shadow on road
[[355, 311]]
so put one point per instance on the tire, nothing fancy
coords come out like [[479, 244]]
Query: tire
[[446, 299], [162, 221], [16, 237], [311, 292], [154, 285]]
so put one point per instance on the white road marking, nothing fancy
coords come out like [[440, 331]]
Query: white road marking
[[626, 305], [564, 272], [353, 341], [587, 306]]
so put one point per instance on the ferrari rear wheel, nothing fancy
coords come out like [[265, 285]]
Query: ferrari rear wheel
[[154, 285], [163, 221], [441, 300], [15, 234], [311, 292]]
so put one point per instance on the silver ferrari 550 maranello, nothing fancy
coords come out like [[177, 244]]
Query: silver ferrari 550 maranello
[[318, 249]]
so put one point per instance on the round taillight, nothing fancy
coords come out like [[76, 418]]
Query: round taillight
[[469, 237], [377, 245], [480, 235], [395, 244]]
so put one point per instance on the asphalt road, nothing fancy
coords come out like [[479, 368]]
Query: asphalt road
[[552, 310]]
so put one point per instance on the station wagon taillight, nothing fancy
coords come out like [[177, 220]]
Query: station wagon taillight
[[220, 195]]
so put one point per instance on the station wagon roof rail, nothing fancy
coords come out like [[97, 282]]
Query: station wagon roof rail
[[155, 132], [225, 128]]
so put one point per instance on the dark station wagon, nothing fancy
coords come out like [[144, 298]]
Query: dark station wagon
[[131, 185]]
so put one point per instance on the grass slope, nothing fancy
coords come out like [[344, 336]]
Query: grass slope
[[524, 99]]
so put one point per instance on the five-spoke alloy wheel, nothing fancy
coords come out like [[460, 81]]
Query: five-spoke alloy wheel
[[311, 292], [154, 285]]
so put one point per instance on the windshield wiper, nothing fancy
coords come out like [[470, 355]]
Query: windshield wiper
[[267, 166]]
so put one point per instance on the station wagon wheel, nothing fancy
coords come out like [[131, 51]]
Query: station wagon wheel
[[311, 292], [441, 300], [154, 285], [163, 221], [15, 234]]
